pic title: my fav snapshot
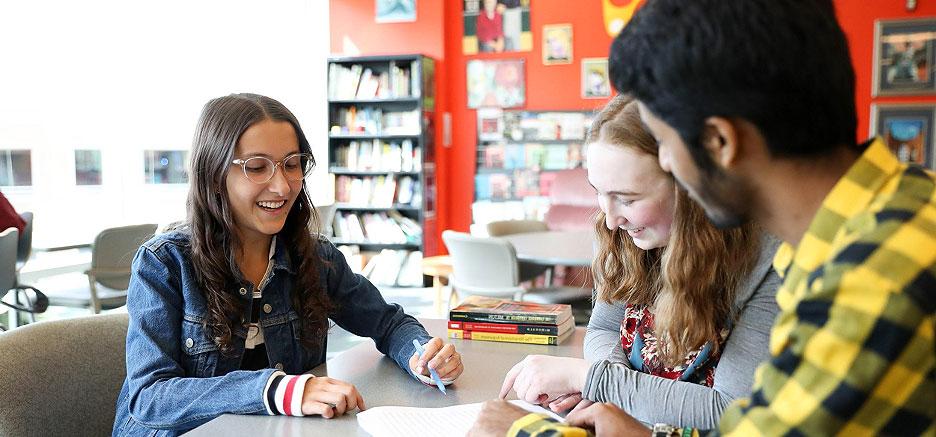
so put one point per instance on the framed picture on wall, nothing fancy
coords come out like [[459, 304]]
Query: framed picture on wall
[[595, 81], [557, 44], [907, 129], [903, 57], [495, 26], [495, 83], [394, 11]]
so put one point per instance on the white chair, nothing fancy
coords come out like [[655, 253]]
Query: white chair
[[326, 215], [109, 275], [62, 377], [528, 271], [488, 267]]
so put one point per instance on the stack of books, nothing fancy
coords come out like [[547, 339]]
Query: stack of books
[[491, 319]]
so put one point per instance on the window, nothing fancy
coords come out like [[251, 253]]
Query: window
[[15, 168], [165, 166], [87, 167]]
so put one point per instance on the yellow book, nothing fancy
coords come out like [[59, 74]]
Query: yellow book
[[507, 338]]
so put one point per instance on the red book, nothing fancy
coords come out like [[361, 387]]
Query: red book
[[513, 328]]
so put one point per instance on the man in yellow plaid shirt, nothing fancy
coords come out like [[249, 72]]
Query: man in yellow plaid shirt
[[752, 102]]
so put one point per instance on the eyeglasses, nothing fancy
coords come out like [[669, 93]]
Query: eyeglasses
[[260, 170]]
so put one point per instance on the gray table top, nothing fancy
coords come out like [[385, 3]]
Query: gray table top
[[382, 383], [554, 248]]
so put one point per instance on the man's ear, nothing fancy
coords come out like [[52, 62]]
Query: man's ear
[[720, 139]]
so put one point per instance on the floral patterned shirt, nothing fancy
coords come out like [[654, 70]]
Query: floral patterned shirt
[[642, 348]]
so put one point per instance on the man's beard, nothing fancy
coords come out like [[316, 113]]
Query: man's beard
[[726, 201]]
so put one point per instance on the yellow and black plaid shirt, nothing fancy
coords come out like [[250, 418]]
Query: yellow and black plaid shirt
[[852, 350]]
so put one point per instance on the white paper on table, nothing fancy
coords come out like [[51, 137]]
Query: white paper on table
[[412, 421]]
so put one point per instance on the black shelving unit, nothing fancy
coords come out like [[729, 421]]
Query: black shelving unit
[[404, 90]]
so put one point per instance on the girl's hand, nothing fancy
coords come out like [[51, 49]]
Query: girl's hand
[[542, 379], [329, 397], [439, 356], [573, 401]]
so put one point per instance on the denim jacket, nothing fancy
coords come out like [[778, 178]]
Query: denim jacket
[[176, 377]]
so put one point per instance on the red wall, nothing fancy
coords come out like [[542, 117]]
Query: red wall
[[857, 18], [438, 33], [354, 20]]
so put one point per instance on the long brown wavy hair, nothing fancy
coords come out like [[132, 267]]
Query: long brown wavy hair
[[211, 223], [691, 283]]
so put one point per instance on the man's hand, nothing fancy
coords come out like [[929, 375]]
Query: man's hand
[[607, 420], [495, 418]]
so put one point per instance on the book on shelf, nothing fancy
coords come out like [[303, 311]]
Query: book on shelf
[[393, 267], [526, 183], [368, 120], [482, 187], [556, 157], [535, 155], [489, 309], [377, 227], [500, 187], [494, 156], [377, 191], [551, 340], [513, 328], [376, 155], [355, 81], [514, 156]]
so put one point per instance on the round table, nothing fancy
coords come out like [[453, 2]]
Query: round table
[[554, 248]]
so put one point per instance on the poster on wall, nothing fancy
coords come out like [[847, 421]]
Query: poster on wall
[[495, 26], [395, 11], [490, 124], [495, 83], [903, 57], [595, 81], [907, 129], [557, 44]]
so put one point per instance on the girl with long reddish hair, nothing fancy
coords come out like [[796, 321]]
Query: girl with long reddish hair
[[682, 311]]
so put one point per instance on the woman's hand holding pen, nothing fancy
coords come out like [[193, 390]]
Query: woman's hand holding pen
[[329, 397], [439, 356]]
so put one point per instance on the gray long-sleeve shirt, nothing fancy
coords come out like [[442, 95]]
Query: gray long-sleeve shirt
[[652, 399]]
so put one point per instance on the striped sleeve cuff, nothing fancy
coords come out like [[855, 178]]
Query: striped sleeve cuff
[[282, 394]]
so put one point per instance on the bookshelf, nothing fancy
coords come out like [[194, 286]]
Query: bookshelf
[[381, 157], [518, 154]]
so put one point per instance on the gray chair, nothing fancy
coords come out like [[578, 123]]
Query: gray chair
[[487, 266], [28, 299], [326, 215], [8, 241], [528, 271], [62, 377], [109, 275]]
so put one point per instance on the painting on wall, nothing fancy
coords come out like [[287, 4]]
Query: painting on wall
[[496, 26], [496, 83], [907, 129], [903, 57], [557, 44], [595, 81], [395, 11]]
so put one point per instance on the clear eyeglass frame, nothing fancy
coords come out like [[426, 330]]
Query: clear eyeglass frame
[[305, 166]]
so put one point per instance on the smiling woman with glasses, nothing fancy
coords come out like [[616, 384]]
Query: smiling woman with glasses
[[230, 309]]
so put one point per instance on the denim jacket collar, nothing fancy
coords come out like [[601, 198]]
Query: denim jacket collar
[[281, 259]]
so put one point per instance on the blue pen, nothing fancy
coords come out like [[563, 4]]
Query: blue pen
[[432, 372]]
